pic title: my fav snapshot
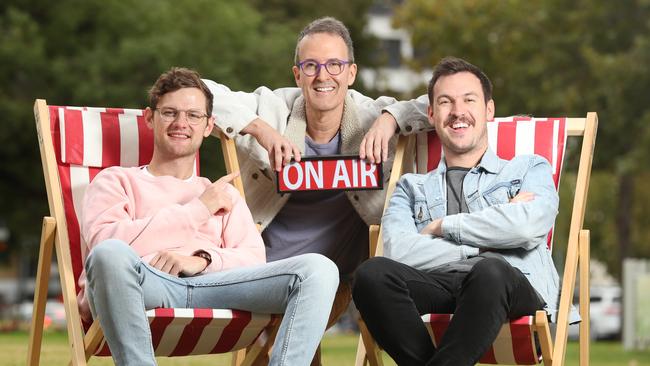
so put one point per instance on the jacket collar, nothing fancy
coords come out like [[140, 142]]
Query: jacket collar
[[351, 133], [489, 162]]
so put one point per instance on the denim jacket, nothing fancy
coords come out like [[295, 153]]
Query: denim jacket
[[518, 231]]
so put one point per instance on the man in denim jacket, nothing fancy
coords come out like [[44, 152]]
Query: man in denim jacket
[[468, 238]]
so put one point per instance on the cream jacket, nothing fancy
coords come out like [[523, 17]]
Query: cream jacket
[[284, 110]]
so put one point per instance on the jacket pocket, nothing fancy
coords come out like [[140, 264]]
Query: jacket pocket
[[421, 214], [502, 192]]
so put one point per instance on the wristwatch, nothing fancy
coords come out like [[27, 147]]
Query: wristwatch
[[203, 254]]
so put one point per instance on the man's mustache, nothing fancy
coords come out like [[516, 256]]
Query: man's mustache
[[453, 119]]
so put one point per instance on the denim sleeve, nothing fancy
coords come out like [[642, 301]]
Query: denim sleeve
[[511, 225], [403, 242]]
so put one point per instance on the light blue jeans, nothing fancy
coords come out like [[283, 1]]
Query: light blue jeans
[[121, 287]]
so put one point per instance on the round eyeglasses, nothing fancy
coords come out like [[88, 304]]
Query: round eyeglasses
[[333, 66], [170, 115]]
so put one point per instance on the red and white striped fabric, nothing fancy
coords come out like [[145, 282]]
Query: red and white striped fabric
[[87, 140], [184, 332], [508, 137], [514, 345]]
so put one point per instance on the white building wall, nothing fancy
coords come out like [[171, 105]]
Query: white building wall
[[399, 79]]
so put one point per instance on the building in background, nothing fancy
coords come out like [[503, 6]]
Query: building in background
[[394, 51]]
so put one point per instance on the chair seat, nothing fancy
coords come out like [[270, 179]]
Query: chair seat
[[183, 332], [514, 345]]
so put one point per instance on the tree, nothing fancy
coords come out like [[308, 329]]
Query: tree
[[108, 52]]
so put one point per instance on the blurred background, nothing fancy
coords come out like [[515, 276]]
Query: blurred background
[[545, 58]]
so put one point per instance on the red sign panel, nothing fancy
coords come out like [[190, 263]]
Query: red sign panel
[[320, 173]]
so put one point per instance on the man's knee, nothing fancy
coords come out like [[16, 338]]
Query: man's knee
[[492, 271], [110, 255], [370, 276], [320, 269], [491, 276]]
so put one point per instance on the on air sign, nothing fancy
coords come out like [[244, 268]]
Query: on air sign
[[316, 173]]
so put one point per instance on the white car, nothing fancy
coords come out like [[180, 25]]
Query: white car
[[605, 313]]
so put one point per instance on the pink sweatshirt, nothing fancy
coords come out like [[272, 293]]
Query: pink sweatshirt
[[164, 213]]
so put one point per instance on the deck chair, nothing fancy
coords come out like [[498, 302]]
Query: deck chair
[[76, 143], [515, 343]]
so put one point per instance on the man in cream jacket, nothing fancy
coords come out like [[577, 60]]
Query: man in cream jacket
[[320, 117]]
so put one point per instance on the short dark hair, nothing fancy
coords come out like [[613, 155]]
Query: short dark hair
[[178, 78], [327, 25], [453, 65]]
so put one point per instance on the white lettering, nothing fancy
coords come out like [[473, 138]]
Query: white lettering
[[313, 173], [285, 176], [355, 172], [340, 174], [368, 173]]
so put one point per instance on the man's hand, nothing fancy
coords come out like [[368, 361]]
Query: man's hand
[[523, 197], [434, 228], [374, 145], [216, 198], [175, 264], [279, 147]]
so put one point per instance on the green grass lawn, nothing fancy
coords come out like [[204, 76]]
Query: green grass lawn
[[338, 350]]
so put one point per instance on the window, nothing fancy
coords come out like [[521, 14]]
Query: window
[[391, 50]]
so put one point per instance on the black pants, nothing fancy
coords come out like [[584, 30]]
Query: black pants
[[391, 296]]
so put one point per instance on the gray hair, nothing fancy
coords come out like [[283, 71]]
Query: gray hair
[[328, 25]]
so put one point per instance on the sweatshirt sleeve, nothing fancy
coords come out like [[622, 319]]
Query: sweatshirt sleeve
[[242, 243], [108, 212]]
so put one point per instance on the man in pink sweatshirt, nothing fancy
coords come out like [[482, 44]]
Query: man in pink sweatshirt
[[160, 236]]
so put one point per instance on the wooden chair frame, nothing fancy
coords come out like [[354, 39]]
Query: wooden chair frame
[[54, 235], [578, 252]]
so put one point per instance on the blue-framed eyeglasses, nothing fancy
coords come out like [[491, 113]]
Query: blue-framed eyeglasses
[[334, 66]]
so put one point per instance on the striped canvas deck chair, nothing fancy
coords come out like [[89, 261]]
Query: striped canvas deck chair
[[516, 342], [76, 143]]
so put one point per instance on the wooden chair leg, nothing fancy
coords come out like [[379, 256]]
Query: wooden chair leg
[[238, 357], [257, 354], [583, 260], [373, 240], [544, 334], [93, 338], [373, 353], [40, 291], [361, 359]]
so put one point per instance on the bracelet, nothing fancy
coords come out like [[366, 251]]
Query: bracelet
[[203, 254]]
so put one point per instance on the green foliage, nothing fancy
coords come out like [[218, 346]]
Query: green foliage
[[553, 57], [297, 14], [109, 52], [550, 57]]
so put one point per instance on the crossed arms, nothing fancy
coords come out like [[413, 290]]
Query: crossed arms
[[521, 222]]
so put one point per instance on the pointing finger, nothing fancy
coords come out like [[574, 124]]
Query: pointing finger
[[228, 178]]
